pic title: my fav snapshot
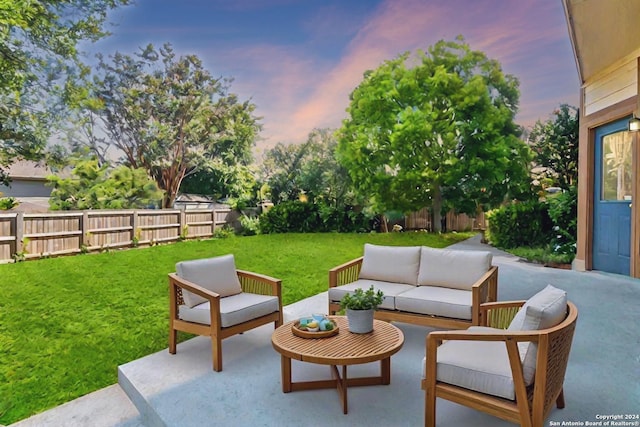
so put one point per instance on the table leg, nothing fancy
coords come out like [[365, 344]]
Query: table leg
[[385, 370], [341, 385], [285, 367]]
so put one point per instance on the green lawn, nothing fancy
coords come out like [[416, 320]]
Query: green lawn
[[67, 323]]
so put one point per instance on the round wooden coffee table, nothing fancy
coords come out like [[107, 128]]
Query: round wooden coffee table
[[342, 349]]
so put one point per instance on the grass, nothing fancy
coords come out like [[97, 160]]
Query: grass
[[544, 255], [67, 323]]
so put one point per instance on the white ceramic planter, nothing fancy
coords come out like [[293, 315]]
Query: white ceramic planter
[[360, 321]]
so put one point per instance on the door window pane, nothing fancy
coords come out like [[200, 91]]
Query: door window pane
[[616, 166]]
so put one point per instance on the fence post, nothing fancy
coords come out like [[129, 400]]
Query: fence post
[[214, 217], [134, 228], [183, 223], [19, 247], [84, 226]]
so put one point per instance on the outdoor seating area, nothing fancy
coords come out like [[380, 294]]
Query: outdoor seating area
[[181, 389]]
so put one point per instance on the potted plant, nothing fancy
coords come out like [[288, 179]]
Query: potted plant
[[359, 307]]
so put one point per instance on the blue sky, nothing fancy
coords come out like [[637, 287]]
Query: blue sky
[[298, 60]]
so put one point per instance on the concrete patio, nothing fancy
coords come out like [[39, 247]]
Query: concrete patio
[[182, 390]]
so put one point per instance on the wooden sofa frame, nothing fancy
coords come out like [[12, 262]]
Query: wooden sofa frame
[[533, 403], [485, 290], [249, 281]]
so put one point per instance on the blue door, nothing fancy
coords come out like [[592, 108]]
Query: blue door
[[612, 198]]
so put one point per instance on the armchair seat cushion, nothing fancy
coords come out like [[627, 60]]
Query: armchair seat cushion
[[234, 309], [436, 301], [482, 366], [390, 290]]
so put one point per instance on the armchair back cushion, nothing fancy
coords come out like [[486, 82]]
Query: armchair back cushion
[[544, 310], [215, 274], [390, 263], [455, 269]]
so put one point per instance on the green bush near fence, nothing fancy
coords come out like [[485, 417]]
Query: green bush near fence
[[300, 217], [520, 224], [67, 323]]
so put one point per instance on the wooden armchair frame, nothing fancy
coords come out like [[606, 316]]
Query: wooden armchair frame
[[250, 282], [485, 290], [532, 404]]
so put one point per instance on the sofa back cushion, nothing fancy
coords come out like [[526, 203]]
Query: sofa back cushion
[[398, 264], [455, 269], [215, 274], [544, 310]]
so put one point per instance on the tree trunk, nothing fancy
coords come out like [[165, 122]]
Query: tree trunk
[[437, 209], [383, 224]]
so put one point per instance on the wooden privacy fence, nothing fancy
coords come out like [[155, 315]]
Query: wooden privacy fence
[[421, 220], [37, 235]]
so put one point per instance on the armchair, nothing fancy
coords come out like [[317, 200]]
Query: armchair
[[516, 373], [210, 297]]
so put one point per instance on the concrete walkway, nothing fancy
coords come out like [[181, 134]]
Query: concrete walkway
[[602, 377]]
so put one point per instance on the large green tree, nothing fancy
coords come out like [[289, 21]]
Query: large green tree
[[435, 129], [167, 115], [555, 144], [39, 62]]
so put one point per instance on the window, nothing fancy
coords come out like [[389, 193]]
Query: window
[[616, 167]]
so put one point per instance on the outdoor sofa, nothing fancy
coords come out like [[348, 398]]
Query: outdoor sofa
[[442, 288]]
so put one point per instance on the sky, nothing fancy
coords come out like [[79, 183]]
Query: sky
[[299, 60]]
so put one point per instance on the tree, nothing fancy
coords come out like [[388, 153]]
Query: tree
[[309, 168], [99, 187], [39, 62], [167, 115], [216, 179], [439, 133], [555, 144]]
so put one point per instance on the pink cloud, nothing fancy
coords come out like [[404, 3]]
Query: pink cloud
[[296, 91]]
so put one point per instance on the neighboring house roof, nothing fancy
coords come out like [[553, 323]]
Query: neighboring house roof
[[193, 198], [31, 205], [602, 32]]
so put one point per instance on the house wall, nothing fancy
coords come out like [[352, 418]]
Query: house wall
[[615, 86], [611, 96], [21, 187]]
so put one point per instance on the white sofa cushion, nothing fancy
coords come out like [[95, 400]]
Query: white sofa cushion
[[390, 290], [544, 310], [215, 274], [451, 268], [476, 365], [234, 309], [397, 264], [436, 301]]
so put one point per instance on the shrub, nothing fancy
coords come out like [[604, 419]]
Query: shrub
[[299, 217], [250, 225], [7, 203], [291, 216], [223, 232], [520, 224], [563, 210], [345, 219]]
